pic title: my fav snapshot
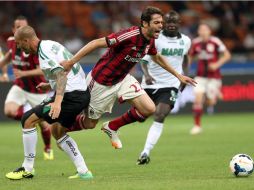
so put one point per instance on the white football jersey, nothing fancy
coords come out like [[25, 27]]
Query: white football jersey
[[173, 49], [50, 54]]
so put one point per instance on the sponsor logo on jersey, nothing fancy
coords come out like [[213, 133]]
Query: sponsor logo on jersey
[[172, 51], [133, 59], [173, 96], [203, 55], [112, 41], [18, 61], [210, 47]]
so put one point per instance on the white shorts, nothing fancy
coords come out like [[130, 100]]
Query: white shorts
[[210, 86], [22, 97], [103, 97]]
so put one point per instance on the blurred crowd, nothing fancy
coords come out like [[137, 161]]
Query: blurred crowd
[[73, 23]]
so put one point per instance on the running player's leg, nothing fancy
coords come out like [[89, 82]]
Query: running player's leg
[[70, 147], [82, 122], [34, 100], [143, 107], [154, 132], [102, 101], [197, 107], [14, 102], [129, 90], [165, 99], [213, 94], [29, 120], [72, 105], [46, 137]]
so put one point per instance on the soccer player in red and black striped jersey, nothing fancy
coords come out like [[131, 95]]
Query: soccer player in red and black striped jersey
[[110, 79], [27, 76], [211, 54]]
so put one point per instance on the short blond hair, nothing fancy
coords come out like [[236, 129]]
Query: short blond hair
[[25, 32]]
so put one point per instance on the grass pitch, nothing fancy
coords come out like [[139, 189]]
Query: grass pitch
[[179, 161]]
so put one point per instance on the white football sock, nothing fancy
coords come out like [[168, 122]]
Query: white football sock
[[153, 136], [70, 147], [29, 142]]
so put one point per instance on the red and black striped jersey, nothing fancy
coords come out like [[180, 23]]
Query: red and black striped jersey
[[125, 49], [207, 53], [25, 62]]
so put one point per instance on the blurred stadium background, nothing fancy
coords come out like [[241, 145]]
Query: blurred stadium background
[[74, 23]]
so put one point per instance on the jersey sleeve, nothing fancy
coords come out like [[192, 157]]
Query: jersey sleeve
[[112, 40], [188, 45], [49, 57], [146, 59], [221, 46], [115, 39], [121, 37], [10, 42], [152, 50]]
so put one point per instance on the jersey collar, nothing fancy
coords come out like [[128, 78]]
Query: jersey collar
[[178, 36]]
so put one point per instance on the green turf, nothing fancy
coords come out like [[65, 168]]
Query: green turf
[[179, 161]]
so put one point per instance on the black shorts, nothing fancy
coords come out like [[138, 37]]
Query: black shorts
[[73, 103], [163, 95]]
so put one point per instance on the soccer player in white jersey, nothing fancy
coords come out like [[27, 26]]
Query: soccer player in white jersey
[[71, 97], [161, 86]]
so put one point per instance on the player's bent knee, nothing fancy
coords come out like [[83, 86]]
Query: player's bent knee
[[147, 112], [90, 123], [90, 126], [150, 110], [25, 117], [159, 117], [58, 131]]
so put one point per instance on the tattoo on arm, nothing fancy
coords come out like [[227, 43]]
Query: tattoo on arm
[[61, 81]]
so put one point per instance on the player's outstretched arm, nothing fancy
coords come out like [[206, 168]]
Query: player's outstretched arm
[[148, 78], [186, 64], [88, 48], [44, 86], [29, 73], [5, 60], [3, 66], [159, 59], [4, 77], [226, 56], [61, 81]]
